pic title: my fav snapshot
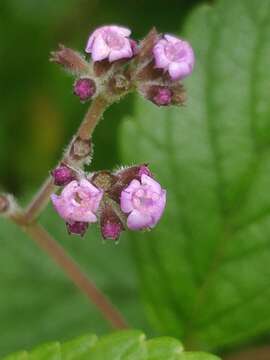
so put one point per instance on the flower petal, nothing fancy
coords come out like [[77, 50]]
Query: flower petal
[[159, 208], [60, 206], [147, 180], [134, 185], [83, 216], [100, 50], [125, 201], [89, 187], [70, 188], [125, 52], [120, 30], [178, 71], [172, 39], [161, 60], [137, 220]]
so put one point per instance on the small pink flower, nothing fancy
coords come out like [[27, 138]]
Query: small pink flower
[[110, 42], [79, 201], [175, 56], [144, 201]]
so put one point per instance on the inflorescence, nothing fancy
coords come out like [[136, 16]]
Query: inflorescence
[[129, 198]]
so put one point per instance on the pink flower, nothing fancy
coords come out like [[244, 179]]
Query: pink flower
[[144, 201], [110, 42], [79, 201], [175, 56]]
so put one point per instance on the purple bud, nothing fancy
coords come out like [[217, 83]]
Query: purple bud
[[111, 230], [84, 88], [111, 226], [77, 228], [161, 96], [62, 175]]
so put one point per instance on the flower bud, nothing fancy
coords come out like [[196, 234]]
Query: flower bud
[[70, 60], [84, 88], [111, 225], [162, 96], [159, 95], [172, 94], [77, 228], [80, 151], [62, 175], [103, 180], [145, 52]]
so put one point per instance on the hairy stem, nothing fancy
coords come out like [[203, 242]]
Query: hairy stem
[[85, 131], [40, 200], [27, 220], [92, 117], [46, 242]]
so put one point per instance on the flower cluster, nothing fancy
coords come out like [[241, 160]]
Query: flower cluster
[[131, 197], [118, 64], [128, 198]]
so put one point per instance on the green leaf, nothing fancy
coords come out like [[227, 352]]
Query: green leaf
[[46, 352], [123, 345], [38, 303], [72, 350], [205, 269]]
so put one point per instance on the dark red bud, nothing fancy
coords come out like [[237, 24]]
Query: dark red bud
[[84, 88], [161, 96], [111, 226], [62, 175], [77, 228]]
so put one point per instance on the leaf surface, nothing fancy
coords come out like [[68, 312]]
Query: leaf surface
[[123, 345], [205, 269]]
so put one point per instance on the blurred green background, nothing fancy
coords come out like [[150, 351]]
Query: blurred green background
[[38, 115]]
